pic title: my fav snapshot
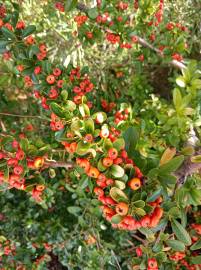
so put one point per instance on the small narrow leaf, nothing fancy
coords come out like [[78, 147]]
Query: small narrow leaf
[[177, 98], [118, 195], [181, 81], [176, 245], [172, 165], [196, 260], [116, 219], [7, 33], [28, 31], [181, 232], [196, 159], [196, 245]]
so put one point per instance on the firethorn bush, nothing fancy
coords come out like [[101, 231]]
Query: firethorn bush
[[100, 125]]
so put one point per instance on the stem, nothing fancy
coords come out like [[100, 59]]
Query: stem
[[22, 116], [115, 257], [139, 239], [59, 164]]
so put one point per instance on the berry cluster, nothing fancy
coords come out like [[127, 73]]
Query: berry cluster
[[7, 249], [95, 143], [60, 6], [80, 20], [16, 165]]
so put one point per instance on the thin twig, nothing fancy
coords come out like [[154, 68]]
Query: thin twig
[[59, 164], [22, 116], [139, 239], [115, 257]]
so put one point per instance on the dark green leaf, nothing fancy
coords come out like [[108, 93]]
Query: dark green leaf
[[92, 13], [70, 4], [7, 33], [196, 245], [181, 232], [116, 219], [131, 136], [28, 31], [172, 165], [176, 245], [196, 260]]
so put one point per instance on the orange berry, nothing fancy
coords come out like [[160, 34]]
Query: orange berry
[[38, 162], [72, 147], [145, 221], [98, 191], [134, 183], [107, 162], [93, 172], [88, 138], [122, 208], [83, 163], [50, 79], [1, 22], [40, 187], [102, 177], [112, 153], [152, 263]]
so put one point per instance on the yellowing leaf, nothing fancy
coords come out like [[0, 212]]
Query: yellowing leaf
[[167, 155]]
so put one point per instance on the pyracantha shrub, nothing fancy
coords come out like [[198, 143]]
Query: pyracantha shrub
[[129, 159]]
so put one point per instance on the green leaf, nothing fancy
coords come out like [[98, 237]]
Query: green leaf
[[74, 210], [70, 105], [168, 154], [28, 31], [138, 211], [15, 17], [70, 4], [167, 179], [89, 126], [82, 148], [64, 94], [181, 81], [196, 260], [172, 165], [119, 184], [24, 144], [188, 151], [196, 159], [4, 43], [7, 33], [196, 245], [118, 195], [33, 50], [139, 204], [57, 109], [181, 232], [147, 232], [84, 110], [174, 212], [119, 144], [131, 136], [116, 219], [92, 13], [2, 239], [117, 171], [155, 195], [177, 98]]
